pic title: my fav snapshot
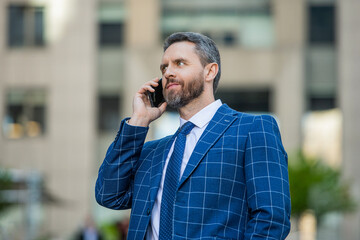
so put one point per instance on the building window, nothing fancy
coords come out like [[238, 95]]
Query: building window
[[321, 24], [25, 113], [321, 77], [229, 39], [111, 34], [246, 100], [222, 38], [321, 103], [25, 26], [246, 24], [321, 57], [111, 18], [108, 113]]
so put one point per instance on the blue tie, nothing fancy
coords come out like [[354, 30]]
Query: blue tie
[[171, 182]]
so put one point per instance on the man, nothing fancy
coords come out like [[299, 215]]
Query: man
[[225, 178]]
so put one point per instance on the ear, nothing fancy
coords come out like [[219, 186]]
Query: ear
[[211, 71]]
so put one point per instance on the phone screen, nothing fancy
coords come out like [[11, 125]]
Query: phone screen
[[156, 98]]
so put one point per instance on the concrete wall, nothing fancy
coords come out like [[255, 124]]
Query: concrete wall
[[65, 68], [349, 86], [289, 81]]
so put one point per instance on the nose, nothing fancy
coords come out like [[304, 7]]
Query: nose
[[169, 72]]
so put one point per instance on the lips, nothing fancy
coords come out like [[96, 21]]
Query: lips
[[170, 85]]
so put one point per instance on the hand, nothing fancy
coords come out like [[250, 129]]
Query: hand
[[143, 114]]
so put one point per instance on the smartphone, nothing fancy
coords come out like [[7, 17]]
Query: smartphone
[[156, 98]]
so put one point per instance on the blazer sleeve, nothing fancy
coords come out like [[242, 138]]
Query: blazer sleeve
[[267, 181], [114, 185]]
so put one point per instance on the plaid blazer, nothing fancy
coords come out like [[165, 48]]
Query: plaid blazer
[[235, 185]]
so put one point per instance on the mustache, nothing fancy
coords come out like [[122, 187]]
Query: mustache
[[172, 80]]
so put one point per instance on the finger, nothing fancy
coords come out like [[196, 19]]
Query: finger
[[145, 98], [154, 82], [162, 107], [156, 79], [149, 86], [145, 88]]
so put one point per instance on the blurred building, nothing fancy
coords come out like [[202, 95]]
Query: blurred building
[[48, 90], [68, 71]]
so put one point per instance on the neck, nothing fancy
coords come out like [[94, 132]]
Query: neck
[[195, 106]]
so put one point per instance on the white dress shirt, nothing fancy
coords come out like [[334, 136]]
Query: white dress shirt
[[201, 120]]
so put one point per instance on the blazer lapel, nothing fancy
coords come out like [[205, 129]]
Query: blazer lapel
[[157, 167], [221, 121]]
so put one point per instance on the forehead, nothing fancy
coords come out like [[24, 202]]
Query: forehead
[[184, 50]]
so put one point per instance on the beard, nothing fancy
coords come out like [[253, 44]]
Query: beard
[[187, 93]]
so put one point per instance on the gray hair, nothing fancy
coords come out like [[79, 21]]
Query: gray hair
[[205, 48]]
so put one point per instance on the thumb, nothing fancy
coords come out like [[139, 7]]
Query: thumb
[[162, 107]]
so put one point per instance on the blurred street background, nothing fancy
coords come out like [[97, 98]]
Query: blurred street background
[[69, 69]]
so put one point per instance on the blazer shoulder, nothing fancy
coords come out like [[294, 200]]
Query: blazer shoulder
[[242, 117], [267, 125], [254, 122], [226, 110], [248, 118], [265, 122]]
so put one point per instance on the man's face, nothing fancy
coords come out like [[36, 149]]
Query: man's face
[[183, 74]]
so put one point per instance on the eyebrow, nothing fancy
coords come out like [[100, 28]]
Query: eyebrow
[[180, 60], [162, 66]]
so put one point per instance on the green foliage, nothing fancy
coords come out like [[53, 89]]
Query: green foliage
[[109, 231], [318, 187], [5, 183]]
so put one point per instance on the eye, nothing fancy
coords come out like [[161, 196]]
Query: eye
[[180, 63]]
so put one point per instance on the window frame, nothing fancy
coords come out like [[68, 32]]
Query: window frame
[[29, 108], [29, 32]]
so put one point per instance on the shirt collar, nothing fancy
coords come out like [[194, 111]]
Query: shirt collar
[[204, 116]]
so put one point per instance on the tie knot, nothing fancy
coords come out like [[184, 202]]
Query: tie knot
[[186, 128]]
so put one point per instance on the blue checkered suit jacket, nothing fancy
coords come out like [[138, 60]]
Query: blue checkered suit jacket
[[235, 185]]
